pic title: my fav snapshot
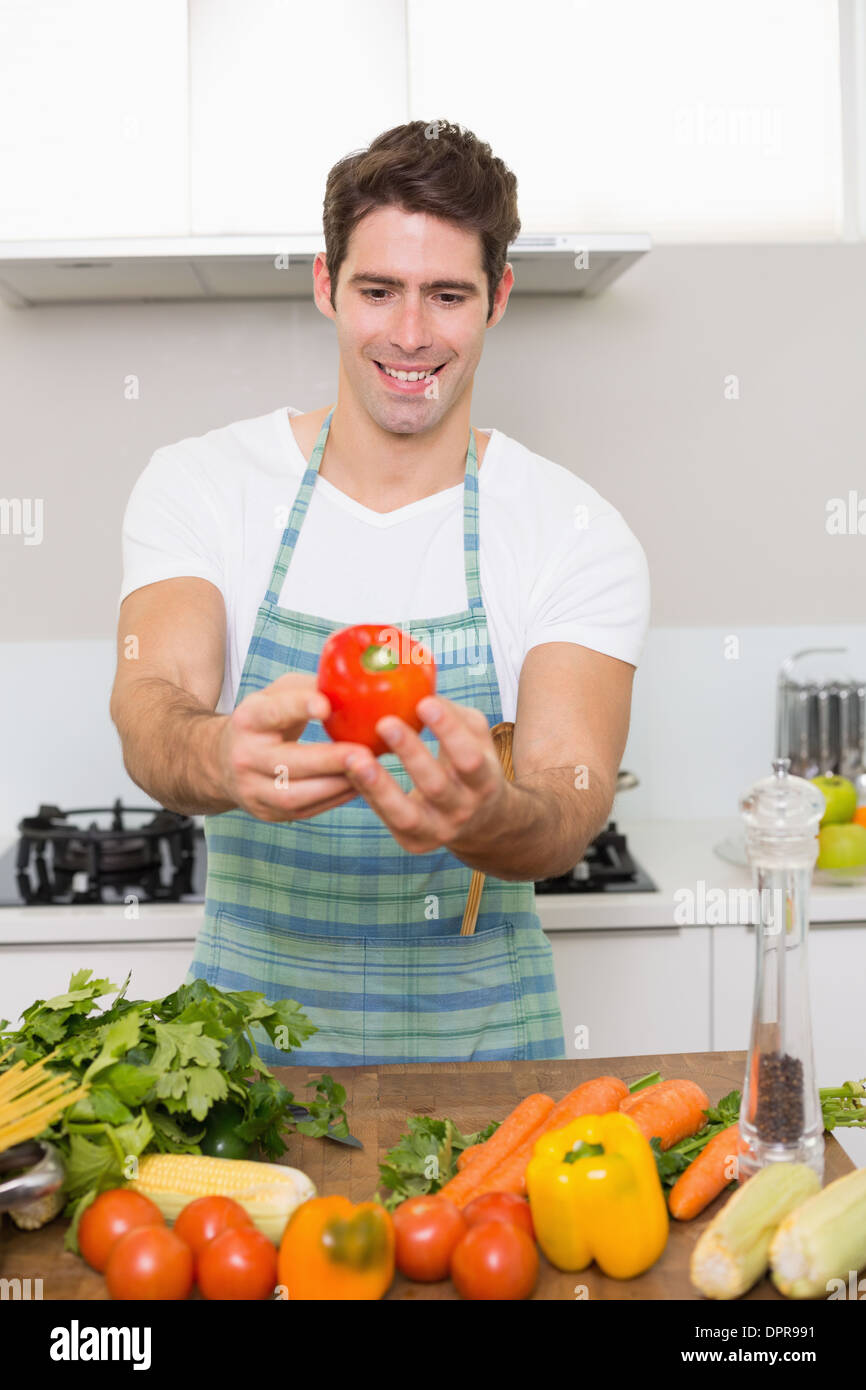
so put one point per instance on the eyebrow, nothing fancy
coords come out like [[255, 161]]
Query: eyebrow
[[373, 277]]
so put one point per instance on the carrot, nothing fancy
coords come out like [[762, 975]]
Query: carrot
[[706, 1176], [669, 1110], [466, 1155], [595, 1097], [525, 1118]]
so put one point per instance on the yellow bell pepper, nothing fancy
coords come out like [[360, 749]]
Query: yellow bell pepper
[[595, 1194]]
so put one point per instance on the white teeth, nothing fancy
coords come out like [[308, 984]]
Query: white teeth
[[407, 376]]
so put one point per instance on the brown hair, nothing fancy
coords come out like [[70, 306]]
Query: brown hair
[[425, 166]]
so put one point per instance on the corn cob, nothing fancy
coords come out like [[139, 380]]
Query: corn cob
[[268, 1192], [823, 1240], [732, 1253]]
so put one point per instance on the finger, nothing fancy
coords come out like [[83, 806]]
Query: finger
[[284, 813], [328, 805], [318, 705], [283, 707], [431, 705], [438, 782], [296, 760], [470, 748], [297, 795], [401, 813]]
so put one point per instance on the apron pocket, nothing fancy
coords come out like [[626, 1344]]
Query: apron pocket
[[324, 974], [444, 998], [380, 999]]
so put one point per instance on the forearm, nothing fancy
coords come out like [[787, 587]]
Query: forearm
[[170, 744], [541, 828]]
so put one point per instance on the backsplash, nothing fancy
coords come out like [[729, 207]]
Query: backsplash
[[702, 729]]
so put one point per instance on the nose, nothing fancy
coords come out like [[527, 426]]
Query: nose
[[410, 331]]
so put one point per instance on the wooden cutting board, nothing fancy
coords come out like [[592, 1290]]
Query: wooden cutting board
[[379, 1101]]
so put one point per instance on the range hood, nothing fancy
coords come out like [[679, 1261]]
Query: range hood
[[266, 267]]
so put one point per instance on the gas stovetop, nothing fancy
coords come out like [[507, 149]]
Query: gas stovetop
[[607, 867], [103, 855]]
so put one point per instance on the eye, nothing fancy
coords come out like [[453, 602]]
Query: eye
[[370, 293], [452, 298]]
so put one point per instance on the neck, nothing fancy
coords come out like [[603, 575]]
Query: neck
[[383, 470]]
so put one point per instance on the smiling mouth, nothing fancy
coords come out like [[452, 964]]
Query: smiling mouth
[[413, 374]]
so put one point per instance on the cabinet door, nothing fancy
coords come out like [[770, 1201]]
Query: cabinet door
[[638, 991], [40, 972], [93, 118], [837, 982], [732, 951], [686, 124], [279, 91]]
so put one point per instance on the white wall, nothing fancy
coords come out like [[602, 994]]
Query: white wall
[[727, 496], [702, 727]]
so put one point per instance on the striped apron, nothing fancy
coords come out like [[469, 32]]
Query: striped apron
[[334, 913]]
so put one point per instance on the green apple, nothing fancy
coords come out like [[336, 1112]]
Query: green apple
[[841, 846], [840, 796]]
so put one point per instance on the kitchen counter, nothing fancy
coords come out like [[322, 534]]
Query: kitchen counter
[[379, 1102]]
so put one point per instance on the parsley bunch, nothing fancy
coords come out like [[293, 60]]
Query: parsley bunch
[[155, 1068], [425, 1158]]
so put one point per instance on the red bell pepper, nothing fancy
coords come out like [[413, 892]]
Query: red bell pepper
[[370, 670]]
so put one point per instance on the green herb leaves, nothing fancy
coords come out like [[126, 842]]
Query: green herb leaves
[[425, 1158], [156, 1069], [327, 1113]]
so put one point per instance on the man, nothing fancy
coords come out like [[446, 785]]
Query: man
[[335, 878]]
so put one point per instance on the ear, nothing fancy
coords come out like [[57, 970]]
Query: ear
[[500, 297], [322, 286]]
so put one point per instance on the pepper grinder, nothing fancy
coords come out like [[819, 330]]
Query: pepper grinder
[[780, 1113]]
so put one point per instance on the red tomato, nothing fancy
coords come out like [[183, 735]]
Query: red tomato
[[426, 1230], [370, 670], [150, 1262], [495, 1260], [238, 1264], [207, 1217], [110, 1217], [500, 1206]]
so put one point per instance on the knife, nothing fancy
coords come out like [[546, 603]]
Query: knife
[[300, 1112]]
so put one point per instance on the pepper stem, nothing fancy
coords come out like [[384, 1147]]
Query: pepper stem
[[379, 656]]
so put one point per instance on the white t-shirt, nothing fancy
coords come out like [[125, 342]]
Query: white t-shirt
[[557, 562]]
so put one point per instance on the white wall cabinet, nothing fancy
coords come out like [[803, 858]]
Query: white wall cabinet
[[646, 990], [278, 93], [40, 972], [195, 117], [93, 118], [691, 122], [837, 987]]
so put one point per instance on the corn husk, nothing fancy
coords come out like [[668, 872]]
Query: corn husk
[[733, 1252], [823, 1240]]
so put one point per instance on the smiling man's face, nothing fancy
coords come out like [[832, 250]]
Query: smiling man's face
[[411, 298]]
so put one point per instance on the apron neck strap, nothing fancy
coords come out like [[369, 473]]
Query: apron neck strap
[[302, 502]]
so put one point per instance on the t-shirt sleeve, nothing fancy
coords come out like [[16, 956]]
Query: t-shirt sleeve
[[594, 591], [171, 527]]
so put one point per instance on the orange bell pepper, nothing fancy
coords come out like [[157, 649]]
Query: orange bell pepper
[[333, 1249]]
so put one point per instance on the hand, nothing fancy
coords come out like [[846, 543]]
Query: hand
[[456, 796], [266, 771]]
